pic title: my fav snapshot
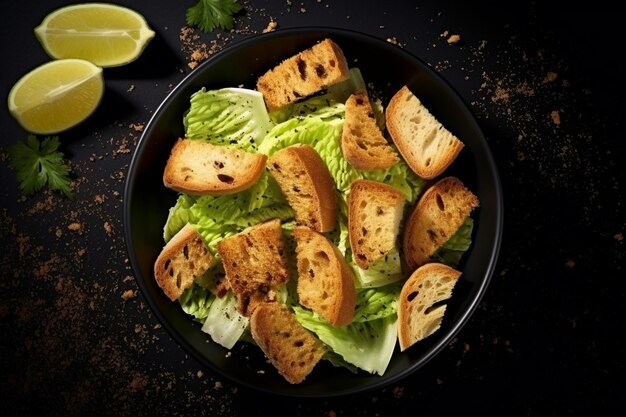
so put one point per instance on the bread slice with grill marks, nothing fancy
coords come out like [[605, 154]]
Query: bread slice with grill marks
[[426, 145], [437, 216], [420, 305], [292, 349], [375, 212], [199, 167], [362, 142], [303, 74], [184, 258]]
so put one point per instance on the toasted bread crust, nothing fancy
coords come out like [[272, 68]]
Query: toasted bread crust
[[438, 214], [255, 263], [325, 281], [418, 317], [181, 261], [293, 350], [426, 145], [199, 167], [374, 215], [362, 143], [307, 185], [303, 74]]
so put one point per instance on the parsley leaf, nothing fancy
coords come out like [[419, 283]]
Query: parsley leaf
[[211, 14], [39, 163]]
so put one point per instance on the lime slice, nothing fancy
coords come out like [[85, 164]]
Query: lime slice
[[105, 34], [56, 96]]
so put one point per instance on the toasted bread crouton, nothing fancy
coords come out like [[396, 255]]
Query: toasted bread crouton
[[292, 349], [362, 142], [438, 214], [307, 185], [255, 264], [306, 73], [199, 167], [325, 281], [426, 145], [374, 214], [420, 311], [184, 258]]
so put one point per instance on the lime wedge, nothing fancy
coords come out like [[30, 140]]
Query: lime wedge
[[105, 34], [56, 96]]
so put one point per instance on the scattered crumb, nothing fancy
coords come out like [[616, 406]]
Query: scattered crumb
[[618, 236], [332, 413], [439, 381], [271, 26], [570, 263], [128, 294], [398, 392], [131, 88], [556, 117], [107, 228], [137, 127], [550, 77], [199, 374], [76, 227], [454, 39], [218, 385]]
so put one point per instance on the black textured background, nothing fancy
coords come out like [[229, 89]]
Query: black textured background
[[77, 338]]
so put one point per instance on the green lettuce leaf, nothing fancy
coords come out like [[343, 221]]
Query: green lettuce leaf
[[367, 345], [376, 303], [234, 117], [178, 216], [223, 322], [385, 270], [453, 250], [196, 301]]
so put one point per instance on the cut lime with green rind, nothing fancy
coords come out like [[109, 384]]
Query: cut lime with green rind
[[105, 34], [56, 96]]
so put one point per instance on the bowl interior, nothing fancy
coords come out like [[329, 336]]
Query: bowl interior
[[388, 68]]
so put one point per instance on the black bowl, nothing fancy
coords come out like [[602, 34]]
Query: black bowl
[[388, 67]]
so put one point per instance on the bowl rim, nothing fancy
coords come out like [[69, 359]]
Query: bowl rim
[[444, 339]]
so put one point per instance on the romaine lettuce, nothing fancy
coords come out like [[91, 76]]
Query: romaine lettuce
[[368, 345], [223, 322], [196, 301], [452, 251], [234, 117]]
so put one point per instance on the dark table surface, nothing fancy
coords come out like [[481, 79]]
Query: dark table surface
[[545, 82]]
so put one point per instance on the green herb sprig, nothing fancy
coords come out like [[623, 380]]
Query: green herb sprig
[[39, 163], [211, 14]]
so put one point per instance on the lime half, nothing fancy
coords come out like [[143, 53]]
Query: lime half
[[56, 96], [105, 34]]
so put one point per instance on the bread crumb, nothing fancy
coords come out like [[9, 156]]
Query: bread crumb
[[218, 385], [550, 77], [128, 294], [439, 381], [398, 392], [137, 127], [58, 233], [107, 228], [570, 263], [618, 236], [75, 227], [392, 40], [556, 117], [199, 374], [445, 34], [332, 413], [454, 39], [131, 88], [99, 198], [271, 26]]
